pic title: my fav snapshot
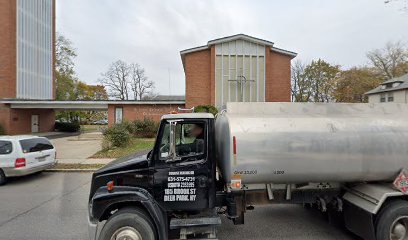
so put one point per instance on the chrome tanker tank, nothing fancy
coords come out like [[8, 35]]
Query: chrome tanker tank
[[312, 142]]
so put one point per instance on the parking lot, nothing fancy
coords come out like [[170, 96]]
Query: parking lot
[[54, 206]]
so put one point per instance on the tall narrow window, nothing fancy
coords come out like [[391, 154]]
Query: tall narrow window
[[34, 49], [118, 115]]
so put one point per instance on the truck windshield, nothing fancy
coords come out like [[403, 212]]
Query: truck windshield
[[189, 140]]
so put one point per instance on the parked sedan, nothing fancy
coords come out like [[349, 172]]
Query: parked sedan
[[23, 155], [101, 122]]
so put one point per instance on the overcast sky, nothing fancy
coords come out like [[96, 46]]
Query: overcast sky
[[152, 32]]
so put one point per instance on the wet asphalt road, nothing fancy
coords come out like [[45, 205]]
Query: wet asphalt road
[[50, 206]]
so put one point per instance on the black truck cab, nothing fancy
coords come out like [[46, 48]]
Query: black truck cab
[[144, 197]]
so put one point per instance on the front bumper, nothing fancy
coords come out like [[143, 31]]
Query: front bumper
[[92, 224], [16, 172]]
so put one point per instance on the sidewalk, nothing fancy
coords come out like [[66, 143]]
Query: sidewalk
[[74, 153], [54, 135], [79, 149]]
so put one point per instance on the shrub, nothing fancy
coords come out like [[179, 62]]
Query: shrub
[[2, 130], [106, 144], [117, 136], [145, 128], [67, 126], [207, 109], [126, 125]]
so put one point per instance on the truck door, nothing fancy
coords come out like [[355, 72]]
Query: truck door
[[181, 178]]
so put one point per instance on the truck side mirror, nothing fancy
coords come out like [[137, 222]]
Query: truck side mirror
[[149, 154], [172, 147]]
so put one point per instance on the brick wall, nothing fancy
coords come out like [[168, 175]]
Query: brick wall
[[140, 111], [8, 49], [277, 73], [18, 121], [5, 116], [199, 69], [199, 72]]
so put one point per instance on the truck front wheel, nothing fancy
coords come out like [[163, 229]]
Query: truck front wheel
[[129, 224], [392, 221]]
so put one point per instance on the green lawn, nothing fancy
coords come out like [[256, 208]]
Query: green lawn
[[135, 145], [77, 166]]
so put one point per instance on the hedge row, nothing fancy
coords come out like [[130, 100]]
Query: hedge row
[[207, 109], [67, 126], [119, 134]]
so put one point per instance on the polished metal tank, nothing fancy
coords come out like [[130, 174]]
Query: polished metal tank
[[312, 142]]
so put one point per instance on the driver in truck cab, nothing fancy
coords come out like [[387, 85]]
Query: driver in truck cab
[[195, 146], [198, 132], [190, 140]]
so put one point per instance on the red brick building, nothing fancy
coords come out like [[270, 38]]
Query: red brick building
[[238, 68], [132, 110], [235, 68], [27, 63]]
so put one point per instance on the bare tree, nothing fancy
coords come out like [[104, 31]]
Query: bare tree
[[403, 3], [64, 56], [391, 61], [150, 96], [140, 84], [301, 87], [117, 80]]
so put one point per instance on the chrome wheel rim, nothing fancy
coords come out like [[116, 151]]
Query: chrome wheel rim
[[126, 233], [399, 229]]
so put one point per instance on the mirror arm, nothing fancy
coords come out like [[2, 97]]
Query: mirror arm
[[172, 147]]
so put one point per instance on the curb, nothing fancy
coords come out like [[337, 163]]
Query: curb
[[70, 170]]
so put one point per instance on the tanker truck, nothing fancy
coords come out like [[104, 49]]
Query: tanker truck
[[347, 160]]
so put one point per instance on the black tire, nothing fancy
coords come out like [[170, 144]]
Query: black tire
[[335, 218], [129, 217], [3, 178], [390, 213]]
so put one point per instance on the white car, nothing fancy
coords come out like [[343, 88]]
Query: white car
[[23, 155]]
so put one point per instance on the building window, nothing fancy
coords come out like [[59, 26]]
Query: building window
[[118, 115], [34, 49], [382, 97], [390, 97], [239, 72], [396, 84]]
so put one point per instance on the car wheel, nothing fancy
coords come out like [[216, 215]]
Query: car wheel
[[3, 178], [392, 221], [128, 223]]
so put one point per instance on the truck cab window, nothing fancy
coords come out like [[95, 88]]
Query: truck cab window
[[190, 139]]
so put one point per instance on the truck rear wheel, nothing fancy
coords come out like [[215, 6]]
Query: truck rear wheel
[[2, 177], [129, 224], [392, 222]]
